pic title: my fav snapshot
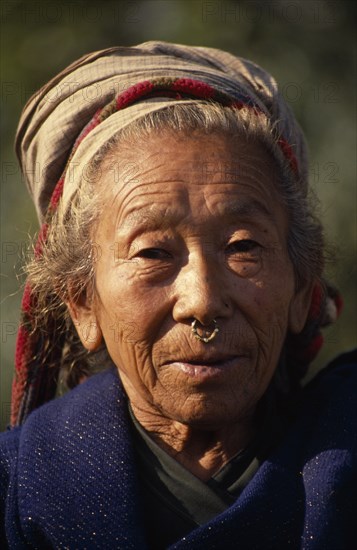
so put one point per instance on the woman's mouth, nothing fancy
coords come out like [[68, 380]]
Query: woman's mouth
[[203, 369]]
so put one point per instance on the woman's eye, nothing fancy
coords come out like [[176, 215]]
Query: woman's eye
[[243, 247], [154, 254]]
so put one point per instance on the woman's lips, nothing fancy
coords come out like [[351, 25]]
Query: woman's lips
[[207, 369]]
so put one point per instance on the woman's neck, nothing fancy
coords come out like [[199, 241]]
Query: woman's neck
[[200, 450]]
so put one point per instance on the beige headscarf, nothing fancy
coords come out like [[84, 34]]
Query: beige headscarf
[[54, 117]]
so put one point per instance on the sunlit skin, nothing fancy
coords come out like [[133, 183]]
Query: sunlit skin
[[194, 230]]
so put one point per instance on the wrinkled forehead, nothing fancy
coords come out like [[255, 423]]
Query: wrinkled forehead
[[198, 159], [170, 176]]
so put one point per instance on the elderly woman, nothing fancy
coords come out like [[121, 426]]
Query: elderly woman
[[177, 283]]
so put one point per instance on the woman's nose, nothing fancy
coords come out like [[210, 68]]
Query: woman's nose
[[202, 292]]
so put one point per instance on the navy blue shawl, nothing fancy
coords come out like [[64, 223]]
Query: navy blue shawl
[[68, 479]]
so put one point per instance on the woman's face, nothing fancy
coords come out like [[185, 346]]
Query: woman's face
[[192, 228]]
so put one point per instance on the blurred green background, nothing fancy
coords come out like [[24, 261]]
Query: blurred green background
[[307, 45]]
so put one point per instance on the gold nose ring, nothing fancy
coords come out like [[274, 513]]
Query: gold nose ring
[[206, 336]]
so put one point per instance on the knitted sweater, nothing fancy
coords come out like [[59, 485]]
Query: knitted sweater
[[68, 479]]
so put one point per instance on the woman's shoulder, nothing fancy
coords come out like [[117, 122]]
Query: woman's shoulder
[[77, 404], [62, 423], [334, 383], [9, 444], [325, 417], [329, 399], [70, 450], [101, 387], [343, 365]]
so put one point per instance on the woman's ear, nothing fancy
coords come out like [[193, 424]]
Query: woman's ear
[[299, 307], [82, 311]]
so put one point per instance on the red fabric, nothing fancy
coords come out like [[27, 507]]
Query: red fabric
[[187, 85], [313, 348], [57, 193], [339, 303], [133, 94], [26, 299], [289, 154], [86, 130], [316, 302], [42, 236]]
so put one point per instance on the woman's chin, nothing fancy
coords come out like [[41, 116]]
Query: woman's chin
[[207, 409]]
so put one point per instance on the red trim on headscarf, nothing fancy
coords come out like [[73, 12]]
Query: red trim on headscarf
[[189, 86], [313, 348], [316, 302], [42, 236], [27, 299], [57, 193], [86, 130], [289, 154], [338, 303], [133, 94]]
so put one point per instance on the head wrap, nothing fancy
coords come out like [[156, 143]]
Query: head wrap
[[67, 121]]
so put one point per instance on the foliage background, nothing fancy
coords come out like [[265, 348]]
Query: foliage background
[[308, 45]]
